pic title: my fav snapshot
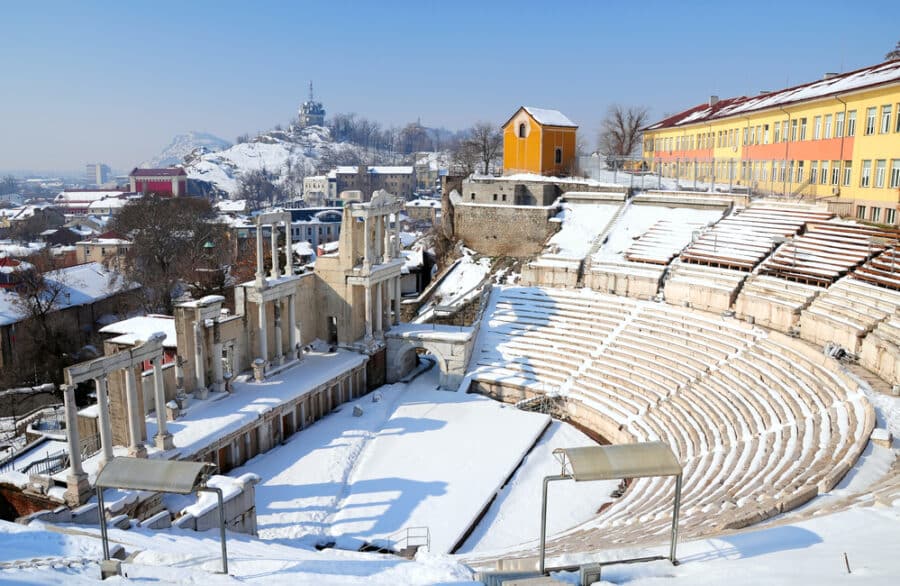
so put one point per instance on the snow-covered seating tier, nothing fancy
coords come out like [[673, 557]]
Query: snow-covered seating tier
[[761, 422], [662, 242], [880, 350], [629, 279], [883, 270], [846, 312], [702, 287], [772, 302], [825, 252], [744, 238]]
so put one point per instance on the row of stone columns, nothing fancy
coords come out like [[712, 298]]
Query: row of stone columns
[[378, 307], [275, 271], [292, 325], [384, 233]]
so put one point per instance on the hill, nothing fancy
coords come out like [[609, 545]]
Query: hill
[[182, 145]]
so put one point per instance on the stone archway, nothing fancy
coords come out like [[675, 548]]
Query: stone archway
[[451, 346]]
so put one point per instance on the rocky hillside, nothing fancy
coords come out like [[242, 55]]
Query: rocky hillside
[[184, 144]]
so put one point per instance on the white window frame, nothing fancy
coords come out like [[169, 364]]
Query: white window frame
[[885, 119], [817, 128], [880, 171], [865, 178]]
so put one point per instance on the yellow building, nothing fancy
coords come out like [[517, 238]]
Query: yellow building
[[835, 140], [539, 141]]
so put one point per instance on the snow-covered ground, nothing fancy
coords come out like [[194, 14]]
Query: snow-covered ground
[[514, 518], [418, 457]]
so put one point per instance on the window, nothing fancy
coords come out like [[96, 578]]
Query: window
[[784, 130], [814, 171], [875, 214], [828, 126], [557, 158], [851, 123], [824, 172], [817, 127], [890, 216], [746, 136], [880, 166], [861, 212], [870, 121], [794, 130], [777, 132], [766, 134], [504, 197], [835, 172], [522, 130], [848, 171], [839, 125], [885, 119], [473, 197], [803, 129], [799, 171], [895, 173], [897, 124], [866, 174], [495, 197]]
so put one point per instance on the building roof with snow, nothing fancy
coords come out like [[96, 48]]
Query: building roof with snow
[[866, 78], [374, 169], [545, 117], [136, 329], [79, 285], [164, 172]]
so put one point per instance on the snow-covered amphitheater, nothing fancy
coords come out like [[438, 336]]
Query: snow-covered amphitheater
[[761, 343]]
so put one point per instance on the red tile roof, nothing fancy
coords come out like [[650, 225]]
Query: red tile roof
[[167, 172]]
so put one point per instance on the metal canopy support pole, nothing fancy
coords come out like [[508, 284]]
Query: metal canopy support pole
[[218, 492], [672, 557], [547, 480], [102, 514]]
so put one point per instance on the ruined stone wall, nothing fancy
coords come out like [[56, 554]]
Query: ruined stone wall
[[518, 231]]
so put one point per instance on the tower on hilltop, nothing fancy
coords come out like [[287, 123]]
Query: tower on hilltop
[[311, 112]]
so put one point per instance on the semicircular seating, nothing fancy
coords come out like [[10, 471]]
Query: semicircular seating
[[761, 422]]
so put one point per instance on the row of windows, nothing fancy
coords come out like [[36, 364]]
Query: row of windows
[[874, 173], [823, 127], [890, 214]]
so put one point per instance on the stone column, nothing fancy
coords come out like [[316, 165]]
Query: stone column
[[293, 328], [163, 437], [398, 298], [368, 313], [78, 489], [276, 270], [136, 448], [279, 351], [218, 383], [288, 252], [379, 310], [263, 333], [367, 255], [106, 441], [179, 375], [260, 261], [387, 238], [199, 364]]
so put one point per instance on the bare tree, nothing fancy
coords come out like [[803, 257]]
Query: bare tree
[[621, 131], [258, 188], [894, 53], [172, 241], [465, 157]]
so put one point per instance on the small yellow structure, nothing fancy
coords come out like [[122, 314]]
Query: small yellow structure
[[539, 141]]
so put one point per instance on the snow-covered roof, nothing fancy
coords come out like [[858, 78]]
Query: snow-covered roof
[[164, 172], [234, 206], [105, 241], [548, 117], [880, 74], [303, 248], [108, 203], [80, 285], [140, 328], [424, 203], [85, 195]]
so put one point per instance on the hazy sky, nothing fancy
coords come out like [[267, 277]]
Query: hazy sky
[[115, 81]]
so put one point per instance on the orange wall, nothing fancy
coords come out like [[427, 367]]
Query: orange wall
[[536, 152]]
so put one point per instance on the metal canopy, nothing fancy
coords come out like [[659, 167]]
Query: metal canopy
[[621, 461], [156, 476], [153, 475], [637, 460]]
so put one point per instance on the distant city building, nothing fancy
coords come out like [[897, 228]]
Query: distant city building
[[96, 174], [312, 113], [168, 182], [315, 190], [399, 181], [109, 249], [77, 202], [316, 225], [539, 141]]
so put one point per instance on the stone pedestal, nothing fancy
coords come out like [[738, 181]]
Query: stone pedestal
[[78, 489], [138, 451], [164, 441], [201, 393], [259, 370]]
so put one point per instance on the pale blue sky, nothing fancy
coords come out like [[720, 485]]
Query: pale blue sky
[[114, 81]]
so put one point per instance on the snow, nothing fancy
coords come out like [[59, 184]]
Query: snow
[[80, 285], [464, 277], [183, 145], [207, 501], [141, 328], [514, 517], [581, 224], [638, 219], [549, 117]]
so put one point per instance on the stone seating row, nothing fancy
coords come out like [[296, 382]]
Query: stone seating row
[[774, 302], [702, 287]]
